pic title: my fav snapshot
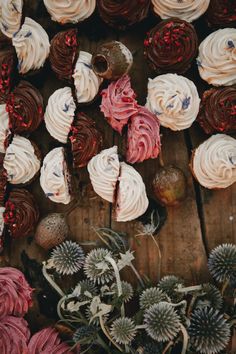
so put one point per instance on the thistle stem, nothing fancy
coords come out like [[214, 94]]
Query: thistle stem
[[137, 275], [159, 257], [194, 298], [51, 281], [107, 334], [166, 349], [59, 304], [161, 160], [224, 287], [185, 339], [189, 289]]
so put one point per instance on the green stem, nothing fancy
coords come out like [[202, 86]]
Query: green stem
[[189, 289], [159, 257], [224, 287], [185, 339], [137, 275], [51, 281], [107, 334], [168, 346]]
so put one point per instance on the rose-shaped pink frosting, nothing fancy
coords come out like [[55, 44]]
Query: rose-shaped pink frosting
[[15, 293], [119, 103], [47, 341], [143, 136], [14, 335]]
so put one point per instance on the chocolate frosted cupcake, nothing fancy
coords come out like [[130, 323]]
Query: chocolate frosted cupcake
[[25, 108], [21, 214], [123, 13], [3, 183], [171, 46], [7, 71], [218, 110], [86, 140], [222, 13], [63, 52]]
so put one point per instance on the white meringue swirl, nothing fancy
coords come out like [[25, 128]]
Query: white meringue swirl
[[4, 127], [10, 16], [32, 46], [59, 114], [21, 161], [132, 199], [70, 11], [2, 210], [86, 82], [104, 171], [214, 162], [217, 58], [174, 99], [54, 178]]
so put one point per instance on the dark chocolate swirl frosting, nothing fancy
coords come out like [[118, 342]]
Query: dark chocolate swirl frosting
[[25, 108], [171, 46], [21, 214], [86, 140], [222, 13], [3, 181], [63, 53], [123, 13], [218, 110], [7, 71]]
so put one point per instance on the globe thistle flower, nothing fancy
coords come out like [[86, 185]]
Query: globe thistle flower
[[150, 297], [162, 322], [123, 330], [222, 262], [168, 284], [97, 268], [67, 258], [85, 334], [211, 298], [127, 290], [152, 347], [209, 331], [85, 289]]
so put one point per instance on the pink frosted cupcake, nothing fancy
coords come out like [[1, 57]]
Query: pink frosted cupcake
[[119, 103], [14, 335]]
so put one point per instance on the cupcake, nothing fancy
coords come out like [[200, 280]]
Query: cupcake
[[104, 170], [86, 140], [214, 162], [63, 53], [22, 161], [218, 110], [171, 46], [131, 201], [217, 58], [7, 71], [25, 108], [86, 82], [10, 17], [21, 214], [4, 128], [55, 177], [188, 10], [15, 335], [174, 100], [119, 103], [3, 183], [143, 138], [221, 13], [70, 11], [120, 14], [60, 113], [32, 46]]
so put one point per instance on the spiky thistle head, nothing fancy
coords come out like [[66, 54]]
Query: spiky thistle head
[[150, 297], [67, 258], [169, 283], [85, 289], [222, 262], [211, 298], [162, 322], [209, 331], [127, 290], [85, 334], [153, 347], [96, 266], [123, 330]]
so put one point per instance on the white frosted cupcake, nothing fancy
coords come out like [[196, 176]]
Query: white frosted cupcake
[[214, 162], [4, 128], [59, 114], [188, 10], [21, 161], [10, 16], [174, 100], [104, 170], [217, 58], [32, 46], [86, 82], [55, 177], [70, 11]]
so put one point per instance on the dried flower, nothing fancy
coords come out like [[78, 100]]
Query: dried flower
[[127, 290], [168, 284], [211, 298], [222, 262], [150, 297], [97, 268], [85, 334], [123, 330], [85, 290]]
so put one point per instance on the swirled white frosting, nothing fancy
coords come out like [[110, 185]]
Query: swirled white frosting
[[104, 171], [4, 127], [214, 162], [32, 46], [21, 161], [54, 177], [188, 10], [217, 58], [174, 99], [59, 114], [132, 199], [10, 16], [70, 11], [2, 210], [86, 81]]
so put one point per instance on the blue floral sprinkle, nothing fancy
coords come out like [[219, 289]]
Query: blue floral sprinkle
[[174, 96], [28, 34], [14, 7], [66, 109], [55, 174], [170, 106], [186, 103], [4, 26], [198, 63], [232, 159], [49, 194], [231, 44], [19, 64], [158, 113], [87, 65]]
